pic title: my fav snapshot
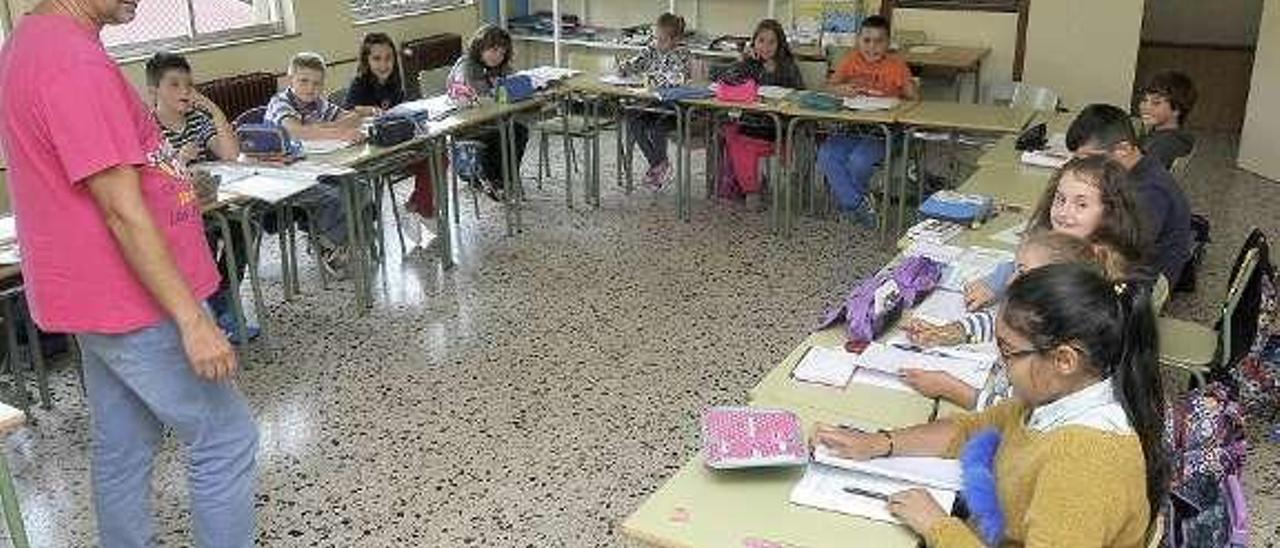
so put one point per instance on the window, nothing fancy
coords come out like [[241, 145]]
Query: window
[[176, 24], [364, 10]]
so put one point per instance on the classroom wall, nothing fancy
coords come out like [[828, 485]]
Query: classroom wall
[[1262, 118], [713, 17], [324, 26], [997, 31], [1086, 50], [1230, 23]]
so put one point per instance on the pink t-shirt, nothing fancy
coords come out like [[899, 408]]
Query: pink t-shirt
[[67, 113]]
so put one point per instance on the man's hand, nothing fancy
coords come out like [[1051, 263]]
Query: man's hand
[[207, 348]]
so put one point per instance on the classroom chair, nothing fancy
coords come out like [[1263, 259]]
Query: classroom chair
[[254, 115], [1198, 349], [34, 354], [576, 117], [432, 82]]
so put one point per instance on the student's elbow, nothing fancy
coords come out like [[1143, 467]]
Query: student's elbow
[[117, 193]]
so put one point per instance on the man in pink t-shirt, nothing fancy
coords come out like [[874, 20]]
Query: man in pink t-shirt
[[113, 251]]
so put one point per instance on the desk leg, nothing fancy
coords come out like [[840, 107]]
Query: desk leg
[[594, 131], [233, 279], [779, 182], [441, 188], [977, 82], [509, 193], [12, 514], [567, 141], [889, 171], [15, 368], [251, 257], [356, 242]]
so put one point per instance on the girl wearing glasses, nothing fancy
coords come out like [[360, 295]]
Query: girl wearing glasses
[[1075, 457]]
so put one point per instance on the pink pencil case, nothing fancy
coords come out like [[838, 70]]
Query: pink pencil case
[[744, 437]]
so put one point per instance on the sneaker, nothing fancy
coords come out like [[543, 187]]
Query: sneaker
[[335, 261], [866, 216], [658, 176], [227, 321]]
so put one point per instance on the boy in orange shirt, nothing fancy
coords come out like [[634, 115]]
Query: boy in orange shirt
[[849, 160]]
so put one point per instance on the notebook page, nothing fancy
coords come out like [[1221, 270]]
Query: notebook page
[[823, 486], [829, 366], [928, 471]]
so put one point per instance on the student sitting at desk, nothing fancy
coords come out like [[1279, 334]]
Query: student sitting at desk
[[303, 111], [848, 161], [474, 77], [1038, 248], [1104, 130], [377, 84], [767, 61], [1165, 103], [1076, 457], [199, 131], [663, 63]]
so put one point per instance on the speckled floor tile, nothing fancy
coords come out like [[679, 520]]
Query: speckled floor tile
[[535, 394]]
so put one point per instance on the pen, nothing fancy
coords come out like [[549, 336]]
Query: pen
[[865, 493]]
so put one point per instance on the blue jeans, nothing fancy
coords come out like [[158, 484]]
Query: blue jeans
[[139, 384], [848, 161]]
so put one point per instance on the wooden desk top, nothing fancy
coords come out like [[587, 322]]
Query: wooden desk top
[[10, 418], [703, 508], [967, 116], [1015, 185], [948, 57]]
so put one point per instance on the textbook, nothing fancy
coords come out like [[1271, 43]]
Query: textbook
[[856, 493]]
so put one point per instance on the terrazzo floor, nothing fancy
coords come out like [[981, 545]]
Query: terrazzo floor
[[536, 394]]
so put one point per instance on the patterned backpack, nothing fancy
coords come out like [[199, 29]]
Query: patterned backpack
[[1255, 367], [1205, 441]]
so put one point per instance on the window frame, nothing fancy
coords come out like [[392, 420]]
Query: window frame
[[415, 7], [196, 40]]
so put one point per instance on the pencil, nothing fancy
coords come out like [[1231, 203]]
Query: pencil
[[865, 493]]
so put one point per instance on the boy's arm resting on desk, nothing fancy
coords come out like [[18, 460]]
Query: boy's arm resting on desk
[[118, 194]]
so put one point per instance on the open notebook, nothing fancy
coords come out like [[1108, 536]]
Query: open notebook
[[828, 488]]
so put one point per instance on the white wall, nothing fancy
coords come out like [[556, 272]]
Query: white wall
[[1261, 133], [1217, 22], [1086, 50]]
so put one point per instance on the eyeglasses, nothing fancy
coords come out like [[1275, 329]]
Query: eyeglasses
[[1007, 356]]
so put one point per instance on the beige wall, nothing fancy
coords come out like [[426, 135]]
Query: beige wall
[[323, 26], [1232, 22], [997, 31], [1262, 119], [713, 17], [1086, 50]]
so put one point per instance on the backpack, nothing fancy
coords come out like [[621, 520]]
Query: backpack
[[1186, 282], [1254, 356], [1205, 440], [878, 301]]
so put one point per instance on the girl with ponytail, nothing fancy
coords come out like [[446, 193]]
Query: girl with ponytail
[[1075, 458]]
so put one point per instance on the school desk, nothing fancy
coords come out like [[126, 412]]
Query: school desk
[[1010, 185], [703, 508], [889, 407], [11, 419], [1004, 152], [951, 59]]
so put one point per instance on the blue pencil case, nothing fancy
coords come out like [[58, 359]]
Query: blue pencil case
[[949, 205]]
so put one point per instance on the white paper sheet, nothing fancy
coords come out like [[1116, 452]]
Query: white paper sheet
[[323, 146], [436, 108], [823, 486], [940, 252], [829, 366], [941, 307], [880, 379], [923, 50], [267, 188], [1011, 235], [867, 102], [774, 92], [616, 80], [972, 369], [932, 472], [1041, 158], [8, 229], [974, 263]]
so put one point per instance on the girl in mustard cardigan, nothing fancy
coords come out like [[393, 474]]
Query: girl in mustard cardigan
[[1075, 458]]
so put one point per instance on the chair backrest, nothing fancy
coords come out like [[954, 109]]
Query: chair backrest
[[1180, 164], [251, 116], [236, 94], [432, 82], [1237, 312], [814, 73]]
